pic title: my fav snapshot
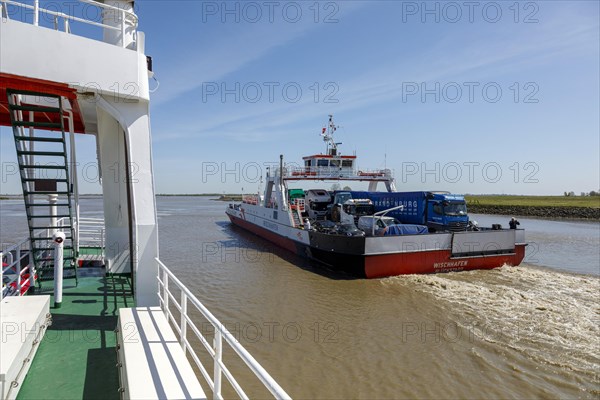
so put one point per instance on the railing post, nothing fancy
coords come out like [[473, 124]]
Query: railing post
[[218, 359], [123, 28], [31, 262], [166, 294], [183, 321], [36, 12], [18, 268], [59, 238]]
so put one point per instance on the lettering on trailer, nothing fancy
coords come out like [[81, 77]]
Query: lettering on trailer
[[450, 264], [410, 206]]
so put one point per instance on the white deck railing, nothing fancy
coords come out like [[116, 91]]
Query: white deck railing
[[16, 278], [127, 19], [91, 232], [167, 299]]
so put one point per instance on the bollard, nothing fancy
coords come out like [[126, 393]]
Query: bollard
[[58, 238]]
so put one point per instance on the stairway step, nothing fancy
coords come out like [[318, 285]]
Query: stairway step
[[32, 93], [46, 205], [42, 153], [45, 192], [39, 166], [52, 258], [34, 249], [36, 179], [47, 238], [66, 227], [52, 278], [48, 216], [43, 109], [39, 139], [39, 124]]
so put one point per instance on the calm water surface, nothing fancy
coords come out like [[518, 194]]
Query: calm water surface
[[526, 332]]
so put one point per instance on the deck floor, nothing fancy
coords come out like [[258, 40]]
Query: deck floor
[[77, 357]]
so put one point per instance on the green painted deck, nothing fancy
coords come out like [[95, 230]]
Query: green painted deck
[[77, 357]]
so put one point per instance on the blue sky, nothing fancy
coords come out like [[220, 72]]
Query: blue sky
[[499, 98]]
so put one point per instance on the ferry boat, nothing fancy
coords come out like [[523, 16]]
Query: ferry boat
[[120, 322], [292, 221]]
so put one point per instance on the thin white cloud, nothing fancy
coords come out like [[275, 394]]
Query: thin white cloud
[[236, 46], [482, 58]]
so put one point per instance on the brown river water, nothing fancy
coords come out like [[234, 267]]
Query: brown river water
[[514, 332]]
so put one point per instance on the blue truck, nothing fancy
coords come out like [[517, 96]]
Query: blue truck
[[439, 211]]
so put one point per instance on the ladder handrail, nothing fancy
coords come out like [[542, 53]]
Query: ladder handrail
[[39, 243]]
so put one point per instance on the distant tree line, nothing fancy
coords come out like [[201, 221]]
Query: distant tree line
[[583, 194]]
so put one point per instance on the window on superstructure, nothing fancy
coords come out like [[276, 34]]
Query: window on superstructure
[[323, 163], [347, 163]]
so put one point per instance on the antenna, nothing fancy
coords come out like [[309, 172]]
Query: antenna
[[327, 134]]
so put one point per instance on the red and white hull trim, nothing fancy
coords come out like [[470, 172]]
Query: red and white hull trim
[[376, 257]]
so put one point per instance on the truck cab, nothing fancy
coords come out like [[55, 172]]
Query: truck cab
[[446, 212], [317, 202]]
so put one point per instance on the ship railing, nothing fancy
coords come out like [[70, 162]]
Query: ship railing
[[91, 232], [166, 282], [17, 278], [298, 204], [332, 172], [251, 199], [127, 19]]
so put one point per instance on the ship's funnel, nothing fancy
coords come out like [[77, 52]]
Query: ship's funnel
[[121, 10]]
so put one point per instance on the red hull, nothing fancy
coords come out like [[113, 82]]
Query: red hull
[[429, 262]]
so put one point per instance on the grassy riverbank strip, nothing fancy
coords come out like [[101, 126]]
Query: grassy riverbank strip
[[579, 207]]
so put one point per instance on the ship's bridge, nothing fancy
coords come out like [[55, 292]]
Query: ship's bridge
[[323, 164], [338, 168]]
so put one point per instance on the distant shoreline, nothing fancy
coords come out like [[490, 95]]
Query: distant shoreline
[[567, 212], [554, 207]]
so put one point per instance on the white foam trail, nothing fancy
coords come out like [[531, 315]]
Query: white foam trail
[[551, 317]]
